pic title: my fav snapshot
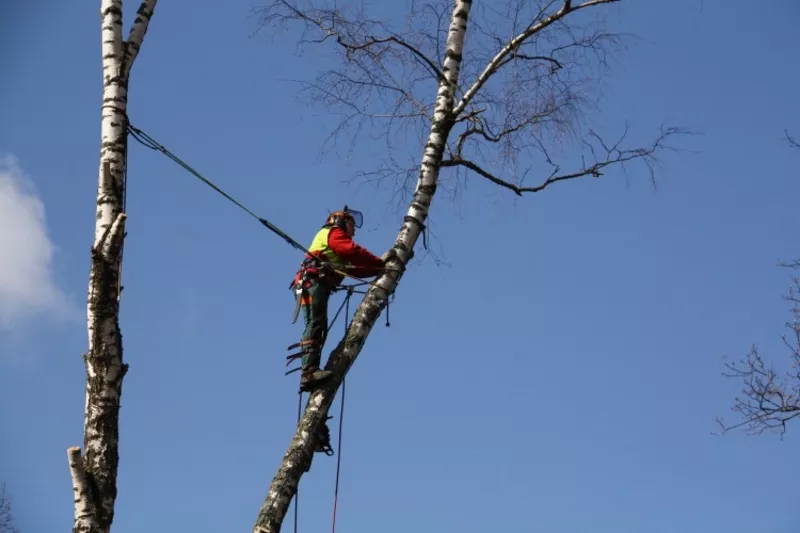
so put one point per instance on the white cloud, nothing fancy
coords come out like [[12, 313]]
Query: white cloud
[[27, 287]]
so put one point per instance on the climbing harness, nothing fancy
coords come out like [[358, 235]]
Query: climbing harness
[[308, 272]]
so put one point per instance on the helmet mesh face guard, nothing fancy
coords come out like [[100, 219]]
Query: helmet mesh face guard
[[357, 216]]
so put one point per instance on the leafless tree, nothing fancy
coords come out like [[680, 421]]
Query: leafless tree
[[769, 399], [7, 524], [496, 90], [94, 474]]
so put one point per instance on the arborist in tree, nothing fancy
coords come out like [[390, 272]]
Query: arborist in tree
[[334, 253]]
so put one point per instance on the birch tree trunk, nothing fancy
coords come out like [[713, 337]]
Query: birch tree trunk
[[299, 455], [518, 111], [94, 475]]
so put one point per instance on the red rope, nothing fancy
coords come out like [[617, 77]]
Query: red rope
[[346, 303], [341, 419], [338, 461], [297, 492]]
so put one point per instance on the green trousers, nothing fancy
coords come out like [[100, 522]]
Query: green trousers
[[315, 315]]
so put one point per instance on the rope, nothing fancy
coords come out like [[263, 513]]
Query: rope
[[146, 140], [338, 459], [124, 205], [297, 493], [341, 419], [344, 305]]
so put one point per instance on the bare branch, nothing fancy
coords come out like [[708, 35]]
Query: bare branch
[[501, 58], [477, 169], [555, 64], [371, 41], [377, 88], [533, 91], [768, 401], [540, 99], [792, 142], [613, 155], [136, 36], [353, 37]]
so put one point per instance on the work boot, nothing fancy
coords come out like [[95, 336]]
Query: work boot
[[312, 375]]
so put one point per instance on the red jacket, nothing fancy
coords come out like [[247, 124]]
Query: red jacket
[[364, 263]]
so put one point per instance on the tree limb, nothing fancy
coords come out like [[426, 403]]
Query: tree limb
[[555, 64], [792, 142], [500, 58], [381, 68], [478, 170], [480, 127], [136, 36], [614, 155], [349, 42], [768, 401], [426, 61]]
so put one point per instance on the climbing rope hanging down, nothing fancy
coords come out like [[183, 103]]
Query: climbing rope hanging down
[[341, 419], [326, 447]]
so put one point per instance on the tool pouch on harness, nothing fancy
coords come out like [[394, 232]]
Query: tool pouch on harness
[[311, 270], [300, 291]]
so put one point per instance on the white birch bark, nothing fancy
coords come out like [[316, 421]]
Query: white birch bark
[[96, 482], [85, 512], [447, 110], [298, 457]]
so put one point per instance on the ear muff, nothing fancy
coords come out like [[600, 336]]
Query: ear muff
[[337, 218]]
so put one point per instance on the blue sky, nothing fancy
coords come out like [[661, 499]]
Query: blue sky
[[566, 367]]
